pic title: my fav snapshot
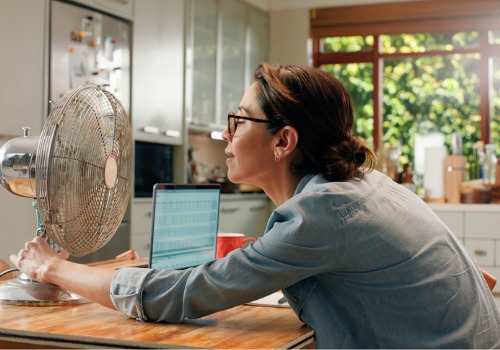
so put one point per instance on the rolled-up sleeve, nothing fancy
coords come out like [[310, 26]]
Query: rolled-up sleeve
[[126, 291]]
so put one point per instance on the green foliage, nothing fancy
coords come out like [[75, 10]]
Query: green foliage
[[421, 93]]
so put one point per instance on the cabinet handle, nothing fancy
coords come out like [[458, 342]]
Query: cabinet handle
[[151, 129], [229, 210], [262, 207], [480, 252]]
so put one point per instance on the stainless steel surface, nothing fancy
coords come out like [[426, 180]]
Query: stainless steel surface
[[23, 291], [17, 167], [87, 46]]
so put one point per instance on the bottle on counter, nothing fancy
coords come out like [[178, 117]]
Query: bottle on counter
[[475, 165], [489, 165], [405, 178]]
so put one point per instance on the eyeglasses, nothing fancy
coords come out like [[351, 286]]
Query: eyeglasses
[[233, 121]]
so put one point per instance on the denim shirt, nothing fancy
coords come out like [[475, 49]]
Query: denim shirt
[[365, 263]]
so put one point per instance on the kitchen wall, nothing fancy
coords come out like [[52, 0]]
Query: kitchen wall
[[289, 26]]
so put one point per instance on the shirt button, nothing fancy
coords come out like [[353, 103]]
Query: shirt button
[[295, 300]]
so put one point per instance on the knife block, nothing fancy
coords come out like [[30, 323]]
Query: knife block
[[454, 175]]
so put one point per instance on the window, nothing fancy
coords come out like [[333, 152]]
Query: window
[[414, 68]]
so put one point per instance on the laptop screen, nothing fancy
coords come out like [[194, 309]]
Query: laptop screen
[[185, 223]]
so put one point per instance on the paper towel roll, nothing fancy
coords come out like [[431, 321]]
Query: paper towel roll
[[434, 171]]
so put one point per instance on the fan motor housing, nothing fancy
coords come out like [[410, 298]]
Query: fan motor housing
[[17, 165]]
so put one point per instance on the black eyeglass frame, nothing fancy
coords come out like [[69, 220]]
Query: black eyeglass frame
[[232, 115]]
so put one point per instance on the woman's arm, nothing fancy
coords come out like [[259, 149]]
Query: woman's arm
[[39, 262]]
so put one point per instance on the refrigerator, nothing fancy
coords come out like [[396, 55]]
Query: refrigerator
[[90, 46]]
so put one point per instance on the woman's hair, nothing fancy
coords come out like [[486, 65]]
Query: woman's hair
[[319, 107]]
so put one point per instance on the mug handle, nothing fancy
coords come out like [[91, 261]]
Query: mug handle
[[249, 239]]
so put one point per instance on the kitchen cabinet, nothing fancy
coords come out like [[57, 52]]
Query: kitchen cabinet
[[226, 40], [157, 74], [120, 8], [24, 102], [477, 226], [141, 216], [244, 213]]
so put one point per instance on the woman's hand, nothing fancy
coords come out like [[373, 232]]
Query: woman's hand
[[36, 258]]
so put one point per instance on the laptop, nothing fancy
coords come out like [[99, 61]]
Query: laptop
[[185, 222]]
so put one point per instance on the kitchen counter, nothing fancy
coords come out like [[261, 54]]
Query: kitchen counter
[[487, 207]]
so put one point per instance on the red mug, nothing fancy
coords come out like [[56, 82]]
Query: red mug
[[227, 242]]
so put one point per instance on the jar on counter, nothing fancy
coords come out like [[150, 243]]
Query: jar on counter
[[489, 165]]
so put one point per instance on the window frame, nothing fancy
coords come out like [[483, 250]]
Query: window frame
[[411, 17]]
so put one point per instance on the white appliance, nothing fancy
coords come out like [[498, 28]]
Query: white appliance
[[87, 46]]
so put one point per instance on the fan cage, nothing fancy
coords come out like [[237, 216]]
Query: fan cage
[[78, 210]]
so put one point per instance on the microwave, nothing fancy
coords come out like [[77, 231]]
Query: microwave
[[153, 164]]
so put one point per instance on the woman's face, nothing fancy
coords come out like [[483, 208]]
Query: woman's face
[[250, 151]]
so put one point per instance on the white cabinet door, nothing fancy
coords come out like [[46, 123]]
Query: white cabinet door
[[248, 216], [232, 56], [158, 74], [258, 36], [201, 63], [226, 40]]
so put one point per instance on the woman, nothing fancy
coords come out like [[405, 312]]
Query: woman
[[360, 259]]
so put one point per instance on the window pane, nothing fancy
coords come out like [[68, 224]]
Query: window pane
[[495, 37], [358, 79], [347, 44], [495, 106], [431, 93], [425, 42]]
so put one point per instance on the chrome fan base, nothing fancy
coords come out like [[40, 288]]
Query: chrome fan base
[[23, 291]]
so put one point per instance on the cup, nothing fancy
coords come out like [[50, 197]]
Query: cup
[[227, 242]]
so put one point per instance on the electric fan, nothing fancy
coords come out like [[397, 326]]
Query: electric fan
[[80, 172]]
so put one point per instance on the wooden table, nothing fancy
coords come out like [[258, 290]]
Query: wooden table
[[90, 325]]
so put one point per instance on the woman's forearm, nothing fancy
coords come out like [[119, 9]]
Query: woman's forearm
[[89, 282]]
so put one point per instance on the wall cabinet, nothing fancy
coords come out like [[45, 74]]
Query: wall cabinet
[[477, 226], [226, 40], [158, 75]]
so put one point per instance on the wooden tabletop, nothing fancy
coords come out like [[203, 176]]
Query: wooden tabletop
[[91, 325]]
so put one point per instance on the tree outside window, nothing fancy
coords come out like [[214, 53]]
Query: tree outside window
[[407, 83]]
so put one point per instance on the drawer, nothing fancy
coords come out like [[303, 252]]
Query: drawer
[[482, 225], [454, 220], [481, 250]]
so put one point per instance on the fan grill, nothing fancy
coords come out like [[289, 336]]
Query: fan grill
[[79, 210]]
